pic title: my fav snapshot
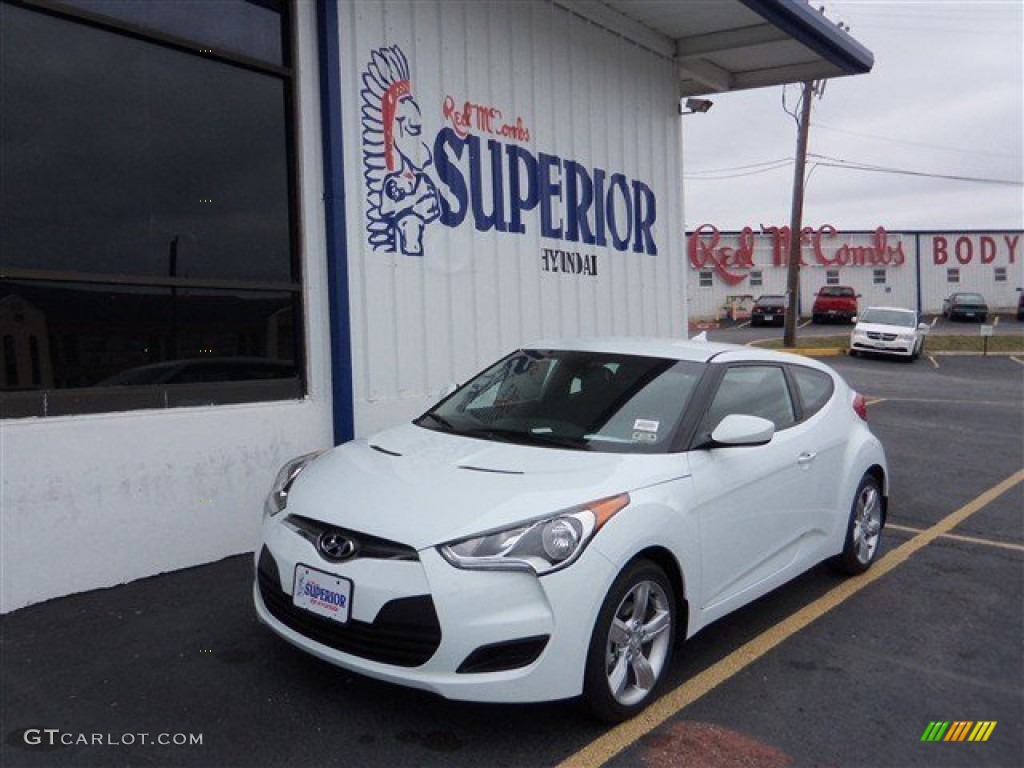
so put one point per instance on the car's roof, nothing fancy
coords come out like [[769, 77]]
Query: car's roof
[[695, 350], [893, 309]]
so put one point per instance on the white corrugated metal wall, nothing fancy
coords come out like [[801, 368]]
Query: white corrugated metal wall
[[990, 263], [575, 91]]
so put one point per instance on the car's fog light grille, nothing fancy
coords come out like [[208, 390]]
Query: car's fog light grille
[[405, 633], [500, 657]]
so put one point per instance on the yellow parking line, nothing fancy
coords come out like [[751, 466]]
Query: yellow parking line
[[614, 741], [961, 537]]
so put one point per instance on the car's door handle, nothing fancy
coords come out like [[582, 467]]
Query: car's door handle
[[806, 458]]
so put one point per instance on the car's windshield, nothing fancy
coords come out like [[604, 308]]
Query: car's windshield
[[889, 317], [567, 399], [771, 301]]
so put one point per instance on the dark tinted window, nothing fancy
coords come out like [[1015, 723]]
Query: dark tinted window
[[148, 216], [815, 389], [237, 27], [131, 158]]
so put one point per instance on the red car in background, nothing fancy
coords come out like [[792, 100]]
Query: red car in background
[[835, 303]]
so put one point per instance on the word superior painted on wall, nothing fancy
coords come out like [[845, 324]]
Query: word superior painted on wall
[[476, 170]]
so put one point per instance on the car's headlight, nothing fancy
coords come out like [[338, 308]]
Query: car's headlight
[[278, 498], [540, 545]]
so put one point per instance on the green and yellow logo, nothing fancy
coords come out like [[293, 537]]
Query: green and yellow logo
[[959, 730]]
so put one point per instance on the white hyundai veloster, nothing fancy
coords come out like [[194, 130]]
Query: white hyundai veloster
[[550, 528]]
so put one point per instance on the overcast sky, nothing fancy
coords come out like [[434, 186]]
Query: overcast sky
[[945, 97]]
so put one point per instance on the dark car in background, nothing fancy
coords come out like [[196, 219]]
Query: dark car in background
[[835, 303], [1020, 307], [965, 306], [769, 310]]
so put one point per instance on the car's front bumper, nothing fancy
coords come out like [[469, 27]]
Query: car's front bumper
[[899, 349], [417, 623]]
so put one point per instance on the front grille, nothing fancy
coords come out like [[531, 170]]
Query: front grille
[[405, 633], [875, 336], [366, 545]]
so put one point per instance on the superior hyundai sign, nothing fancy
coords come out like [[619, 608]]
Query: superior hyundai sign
[[511, 172]]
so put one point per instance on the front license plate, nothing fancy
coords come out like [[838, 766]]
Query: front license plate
[[769, 317], [322, 593]]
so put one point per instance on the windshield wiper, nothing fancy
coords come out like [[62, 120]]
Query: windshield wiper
[[441, 420], [526, 438]]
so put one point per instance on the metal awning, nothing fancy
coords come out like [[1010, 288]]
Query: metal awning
[[732, 45]]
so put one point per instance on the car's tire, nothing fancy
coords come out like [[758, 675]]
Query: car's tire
[[631, 643], [852, 352], [864, 529]]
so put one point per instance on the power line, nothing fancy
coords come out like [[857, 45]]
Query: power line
[[915, 143], [784, 164], [837, 162], [783, 160]]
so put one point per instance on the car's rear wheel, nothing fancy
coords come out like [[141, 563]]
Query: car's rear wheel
[[631, 644], [864, 530]]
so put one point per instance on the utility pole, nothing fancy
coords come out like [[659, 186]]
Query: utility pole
[[796, 218]]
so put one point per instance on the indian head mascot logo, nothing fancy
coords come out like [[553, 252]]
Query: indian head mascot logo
[[402, 198]]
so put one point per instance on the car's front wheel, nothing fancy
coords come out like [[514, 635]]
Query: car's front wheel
[[631, 644], [864, 530]]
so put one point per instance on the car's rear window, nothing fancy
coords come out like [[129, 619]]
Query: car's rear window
[[838, 292], [815, 388]]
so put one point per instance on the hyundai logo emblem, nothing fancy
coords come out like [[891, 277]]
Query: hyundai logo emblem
[[336, 546]]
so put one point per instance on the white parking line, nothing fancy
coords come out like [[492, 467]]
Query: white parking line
[[959, 537], [933, 361], [996, 321], [935, 320], [1017, 360], [804, 324]]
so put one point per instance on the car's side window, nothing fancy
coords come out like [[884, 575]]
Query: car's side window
[[754, 390], [816, 388]]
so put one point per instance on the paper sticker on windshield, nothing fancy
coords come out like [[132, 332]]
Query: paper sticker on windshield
[[646, 425]]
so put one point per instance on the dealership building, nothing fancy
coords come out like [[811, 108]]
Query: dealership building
[[234, 232], [916, 270]]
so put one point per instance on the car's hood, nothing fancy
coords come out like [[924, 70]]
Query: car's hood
[[421, 487], [883, 328]]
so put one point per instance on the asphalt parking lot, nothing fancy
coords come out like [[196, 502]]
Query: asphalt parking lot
[[822, 672]]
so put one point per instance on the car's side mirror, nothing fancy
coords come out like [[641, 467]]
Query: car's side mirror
[[738, 429]]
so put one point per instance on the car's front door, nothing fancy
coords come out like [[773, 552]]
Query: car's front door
[[753, 503]]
